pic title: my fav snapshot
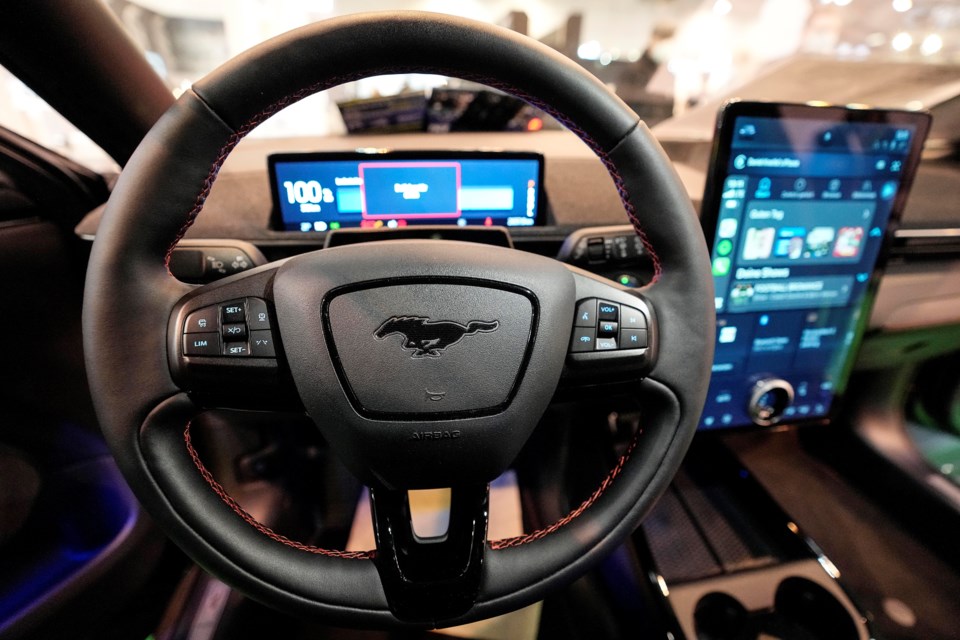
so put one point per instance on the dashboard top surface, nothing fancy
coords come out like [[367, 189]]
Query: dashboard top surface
[[579, 192]]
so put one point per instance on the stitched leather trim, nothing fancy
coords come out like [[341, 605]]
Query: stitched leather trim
[[273, 535], [506, 543]]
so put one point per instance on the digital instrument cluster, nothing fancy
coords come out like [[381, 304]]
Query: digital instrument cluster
[[329, 191]]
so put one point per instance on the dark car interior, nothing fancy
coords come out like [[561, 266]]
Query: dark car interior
[[594, 381]]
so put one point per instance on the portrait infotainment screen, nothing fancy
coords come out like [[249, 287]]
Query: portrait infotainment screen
[[800, 202], [329, 191]]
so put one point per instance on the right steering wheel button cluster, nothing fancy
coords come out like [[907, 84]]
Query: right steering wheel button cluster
[[607, 326]]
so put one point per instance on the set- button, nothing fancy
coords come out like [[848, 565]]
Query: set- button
[[240, 328], [600, 325]]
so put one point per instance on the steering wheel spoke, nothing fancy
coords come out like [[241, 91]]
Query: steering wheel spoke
[[224, 344], [435, 578]]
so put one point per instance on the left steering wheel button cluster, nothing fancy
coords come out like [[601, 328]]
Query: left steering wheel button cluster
[[235, 329]]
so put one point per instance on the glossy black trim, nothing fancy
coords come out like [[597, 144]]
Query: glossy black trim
[[390, 282], [430, 579]]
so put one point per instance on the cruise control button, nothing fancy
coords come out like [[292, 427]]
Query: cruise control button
[[607, 329], [233, 312], [587, 313], [201, 321], [234, 332], [631, 318], [606, 344], [583, 339], [201, 344], [633, 339], [607, 311], [236, 349], [257, 315], [261, 344]]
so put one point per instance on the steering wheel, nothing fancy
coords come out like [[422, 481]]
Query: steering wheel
[[423, 363]]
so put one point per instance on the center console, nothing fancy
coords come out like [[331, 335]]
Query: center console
[[730, 564]]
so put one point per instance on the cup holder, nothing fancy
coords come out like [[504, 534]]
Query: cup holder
[[719, 616], [812, 612], [801, 610]]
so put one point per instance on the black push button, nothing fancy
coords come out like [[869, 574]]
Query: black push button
[[234, 332], [606, 344], [201, 344], [583, 339], [595, 250], [257, 316], [261, 344], [233, 312], [633, 339], [631, 318], [608, 311], [607, 329], [201, 321], [236, 349], [587, 313]]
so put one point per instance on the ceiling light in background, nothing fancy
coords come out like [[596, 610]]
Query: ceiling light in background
[[902, 41], [931, 44], [589, 50], [902, 5], [722, 7]]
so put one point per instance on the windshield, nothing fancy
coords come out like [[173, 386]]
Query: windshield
[[665, 58]]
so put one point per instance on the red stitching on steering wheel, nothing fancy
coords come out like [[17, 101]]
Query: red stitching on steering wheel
[[270, 533], [506, 543]]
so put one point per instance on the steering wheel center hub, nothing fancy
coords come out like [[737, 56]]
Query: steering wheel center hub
[[425, 359], [422, 349]]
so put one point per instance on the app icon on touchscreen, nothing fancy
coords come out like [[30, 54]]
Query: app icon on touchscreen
[[819, 242], [759, 243], [849, 240]]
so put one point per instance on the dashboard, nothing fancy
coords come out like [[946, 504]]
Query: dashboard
[[578, 218]]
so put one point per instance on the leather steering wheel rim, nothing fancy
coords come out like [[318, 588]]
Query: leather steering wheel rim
[[130, 294]]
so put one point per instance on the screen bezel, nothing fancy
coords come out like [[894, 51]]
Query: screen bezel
[[276, 215], [717, 173]]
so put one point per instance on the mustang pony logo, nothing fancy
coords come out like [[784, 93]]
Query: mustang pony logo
[[427, 338]]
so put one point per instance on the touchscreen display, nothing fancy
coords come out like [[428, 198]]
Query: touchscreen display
[[321, 192], [802, 203]]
